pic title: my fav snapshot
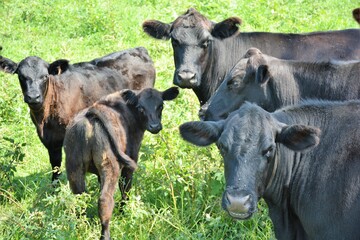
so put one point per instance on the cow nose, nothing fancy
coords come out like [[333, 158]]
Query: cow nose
[[187, 77], [238, 206], [32, 99], [155, 127]]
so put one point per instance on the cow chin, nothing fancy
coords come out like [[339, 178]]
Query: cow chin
[[35, 106]]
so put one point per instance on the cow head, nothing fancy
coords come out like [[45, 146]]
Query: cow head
[[248, 141], [149, 105], [33, 74], [192, 36], [246, 81]]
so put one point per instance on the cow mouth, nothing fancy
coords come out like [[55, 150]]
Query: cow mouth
[[240, 216], [35, 106]]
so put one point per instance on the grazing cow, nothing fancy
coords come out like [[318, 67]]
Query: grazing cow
[[204, 51], [311, 193], [272, 83], [105, 139], [356, 14], [56, 92]]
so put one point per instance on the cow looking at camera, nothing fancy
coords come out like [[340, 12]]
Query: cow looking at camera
[[303, 160], [204, 50]]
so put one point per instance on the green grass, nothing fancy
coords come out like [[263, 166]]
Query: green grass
[[177, 188]]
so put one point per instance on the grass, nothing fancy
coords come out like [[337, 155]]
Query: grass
[[177, 188]]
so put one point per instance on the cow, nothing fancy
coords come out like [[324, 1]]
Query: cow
[[272, 83], [105, 139], [56, 91], [303, 160], [356, 14], [204, 50]]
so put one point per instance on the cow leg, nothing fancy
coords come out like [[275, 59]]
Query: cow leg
[[125, 185], [109, 177], [55, 155]]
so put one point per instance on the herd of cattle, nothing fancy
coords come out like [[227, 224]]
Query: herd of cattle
[[282, 109]]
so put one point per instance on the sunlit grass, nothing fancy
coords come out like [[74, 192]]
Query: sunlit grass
[[177, 188]]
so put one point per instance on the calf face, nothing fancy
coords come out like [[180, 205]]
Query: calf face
[[248, 142], [33, 74], [192, 36], [149, 104]]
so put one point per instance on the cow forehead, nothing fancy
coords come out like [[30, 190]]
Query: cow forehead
[[150, 97], [250, 125], [32, 66]]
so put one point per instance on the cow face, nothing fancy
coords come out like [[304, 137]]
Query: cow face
[[192, 36], [246, 81], [33, 74], [149, 105], [248, 141]]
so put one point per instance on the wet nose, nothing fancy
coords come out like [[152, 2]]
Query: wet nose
[[155, 127], [32, 98], [238, 204], [186, 77]]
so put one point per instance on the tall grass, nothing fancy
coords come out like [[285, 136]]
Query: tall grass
[[177, 188]]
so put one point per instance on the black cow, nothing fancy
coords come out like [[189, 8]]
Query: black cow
[[311, 194], [56, 92], [204, 51], [105, 139], [272, 83]]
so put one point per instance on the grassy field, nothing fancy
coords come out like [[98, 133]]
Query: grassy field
[[177, 187]]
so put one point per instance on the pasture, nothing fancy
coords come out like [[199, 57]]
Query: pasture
[[177, 187]]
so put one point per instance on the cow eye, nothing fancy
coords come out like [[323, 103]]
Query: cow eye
[[268, 152], [160, 107], [140, 109], [205, 44], [233, 83]]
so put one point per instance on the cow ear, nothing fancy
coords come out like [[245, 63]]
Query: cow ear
[[201, 133], [157, 29], [356, 14], [170, 94], [7, 65], [129, 97], [226, 28], [262, 74], [299, 137], [58, 67]]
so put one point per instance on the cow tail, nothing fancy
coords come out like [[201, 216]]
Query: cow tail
[[122, 157]]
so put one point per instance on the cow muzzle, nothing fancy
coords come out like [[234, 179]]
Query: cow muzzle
[[239, 204], [154, 127], [33, 100], [186, 79]]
